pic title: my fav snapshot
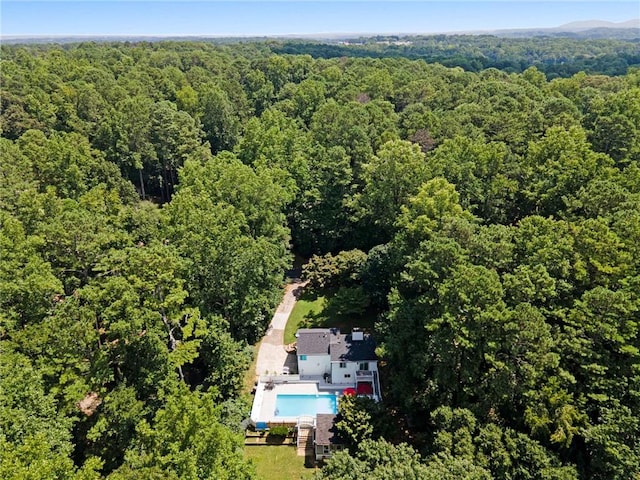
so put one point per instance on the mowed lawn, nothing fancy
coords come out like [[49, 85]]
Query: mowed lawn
[[316, 312], [280, 461], [303, 310], [275, 462]]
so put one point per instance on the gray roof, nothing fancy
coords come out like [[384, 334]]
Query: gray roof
[[345, 350], [325, 341], [325, 429], [313, 341]]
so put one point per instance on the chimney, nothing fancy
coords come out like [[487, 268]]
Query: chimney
[[357, 335]]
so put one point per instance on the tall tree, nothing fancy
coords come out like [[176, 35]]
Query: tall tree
[[390, 179], [227, 221], [187, 441]]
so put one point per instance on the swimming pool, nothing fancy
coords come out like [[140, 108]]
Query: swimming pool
[[296, 405]]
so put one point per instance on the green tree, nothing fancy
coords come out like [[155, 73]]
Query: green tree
[[359, 419], [614, 444], [557, 166], [81, 233], [377, 460], [436, 201], [114, 426], [28, 287], [186, 440], [227, 221], [219, 120], [35, 437], [174, 136], [390, 179], [125, 139], [322, 220], [485, 175], [329, 272]]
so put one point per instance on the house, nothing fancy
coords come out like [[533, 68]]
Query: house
[[330, 364], [339, 359], [326, 441]]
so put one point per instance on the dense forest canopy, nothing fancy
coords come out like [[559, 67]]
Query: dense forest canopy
[[556, 57], [151, 197]]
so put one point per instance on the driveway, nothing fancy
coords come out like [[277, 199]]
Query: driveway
[[271, 353]]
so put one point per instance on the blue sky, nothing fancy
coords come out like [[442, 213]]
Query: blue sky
[[245, 17]]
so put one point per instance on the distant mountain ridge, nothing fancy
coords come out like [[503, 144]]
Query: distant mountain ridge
[[594, 29], [591, 24], [629, 29]]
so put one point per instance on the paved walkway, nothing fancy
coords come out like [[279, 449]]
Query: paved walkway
[[271, 353]]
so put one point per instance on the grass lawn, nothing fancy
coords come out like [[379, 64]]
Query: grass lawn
[[319, 312], [310, 311], [278, 462], [304, 309]]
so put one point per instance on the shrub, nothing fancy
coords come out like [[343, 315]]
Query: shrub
[[279, 431]]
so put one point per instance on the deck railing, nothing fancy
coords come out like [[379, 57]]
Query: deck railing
[[279, 378], [376, 386], [306, 421]]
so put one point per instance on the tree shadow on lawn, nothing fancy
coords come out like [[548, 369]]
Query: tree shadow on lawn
[[345, 309]]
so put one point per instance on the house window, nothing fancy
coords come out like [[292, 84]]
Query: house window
[[303, 357], [325, 450], [347, 375], [343, 365], [364, 366]]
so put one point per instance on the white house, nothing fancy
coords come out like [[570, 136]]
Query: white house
[[314, 358], [330, 364], [339, 359]]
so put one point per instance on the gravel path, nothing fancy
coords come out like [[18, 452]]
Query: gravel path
[[271, 353]]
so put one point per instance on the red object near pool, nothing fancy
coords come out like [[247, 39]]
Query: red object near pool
[[365, 389], [349, 391]]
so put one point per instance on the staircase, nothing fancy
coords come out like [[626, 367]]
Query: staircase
[[305, 441], [376, 386]]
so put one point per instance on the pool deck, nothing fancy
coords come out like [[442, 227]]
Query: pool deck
[[264, 404]]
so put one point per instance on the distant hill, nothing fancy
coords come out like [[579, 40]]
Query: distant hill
[[595, 29], [594, 24]]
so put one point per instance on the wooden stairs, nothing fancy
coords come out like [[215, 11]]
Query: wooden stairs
[[305, 441]]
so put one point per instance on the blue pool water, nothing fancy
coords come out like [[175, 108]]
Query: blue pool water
[[290, 405]]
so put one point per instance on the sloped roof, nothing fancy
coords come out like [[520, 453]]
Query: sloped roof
[[341, 347], [346, 350], [313, 341], [325, 429]]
